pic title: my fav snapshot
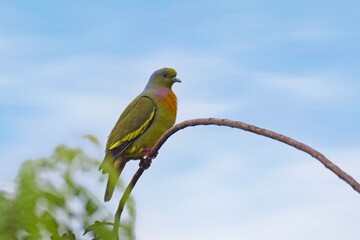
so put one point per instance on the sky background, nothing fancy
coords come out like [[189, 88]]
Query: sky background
[[69, 68]]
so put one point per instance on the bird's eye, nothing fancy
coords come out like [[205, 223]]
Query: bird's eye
[[165, 76]]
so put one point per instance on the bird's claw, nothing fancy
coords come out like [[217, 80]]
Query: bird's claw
[[145, 162]]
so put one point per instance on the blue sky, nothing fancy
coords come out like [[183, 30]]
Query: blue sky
[[68, 69]]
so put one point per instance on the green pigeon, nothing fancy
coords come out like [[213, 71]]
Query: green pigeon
[[140, 125]]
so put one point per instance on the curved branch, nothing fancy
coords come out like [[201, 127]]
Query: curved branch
[[261, 131], [145, 162]]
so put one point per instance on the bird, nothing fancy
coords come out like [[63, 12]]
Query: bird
[[140, 125]]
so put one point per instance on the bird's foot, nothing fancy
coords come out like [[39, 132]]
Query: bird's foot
[[145, 162], [147, 150]]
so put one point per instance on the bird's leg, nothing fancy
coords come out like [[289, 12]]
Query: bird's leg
[[147, 150], [145, 162]]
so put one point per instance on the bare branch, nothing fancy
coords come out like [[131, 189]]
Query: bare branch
[[261, 131], [126, 196], [145, 163]]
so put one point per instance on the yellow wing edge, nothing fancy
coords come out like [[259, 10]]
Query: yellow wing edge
[[136, 133]]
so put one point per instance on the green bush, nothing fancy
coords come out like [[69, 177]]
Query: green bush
[[50, 203]]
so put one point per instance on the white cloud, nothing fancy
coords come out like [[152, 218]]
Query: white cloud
[[315, 87], [309, 34], [310, 30]]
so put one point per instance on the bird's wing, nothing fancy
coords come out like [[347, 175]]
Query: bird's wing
[[134, 121]]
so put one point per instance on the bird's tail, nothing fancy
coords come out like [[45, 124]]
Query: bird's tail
[[114, 175]]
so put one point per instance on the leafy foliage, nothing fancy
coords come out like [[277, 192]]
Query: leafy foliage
[[49, 201]]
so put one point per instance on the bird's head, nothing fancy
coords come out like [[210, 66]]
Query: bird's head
[[164, 77]]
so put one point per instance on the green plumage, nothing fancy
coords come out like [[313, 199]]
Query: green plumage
[[140, 125]]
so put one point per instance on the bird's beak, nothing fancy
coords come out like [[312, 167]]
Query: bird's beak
[[176, 80]]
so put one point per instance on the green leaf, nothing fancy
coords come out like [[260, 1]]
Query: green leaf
[[91, 207], [66, 154], [92, 139], [50, 223], [55, 198], [101, 230], [65, 236]]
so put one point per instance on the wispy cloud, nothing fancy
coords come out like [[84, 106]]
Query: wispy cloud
[[315, 87]]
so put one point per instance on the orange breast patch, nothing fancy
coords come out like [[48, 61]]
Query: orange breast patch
[[170, 101]]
